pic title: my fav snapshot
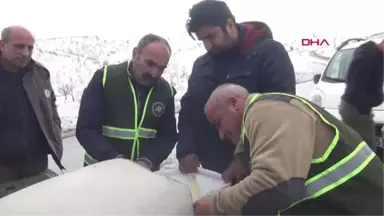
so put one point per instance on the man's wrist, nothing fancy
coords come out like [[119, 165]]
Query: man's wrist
[[233, 163], [181, 156], [111, 155], [146, 161], [120, 156], [215, 205]]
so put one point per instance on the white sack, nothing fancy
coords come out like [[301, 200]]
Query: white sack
[[200, 184], [113, 187]]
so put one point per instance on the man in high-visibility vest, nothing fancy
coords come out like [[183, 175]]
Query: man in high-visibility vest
[[127, 110], [299, 159]]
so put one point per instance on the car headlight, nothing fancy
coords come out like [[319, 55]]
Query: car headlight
[[317, 99]]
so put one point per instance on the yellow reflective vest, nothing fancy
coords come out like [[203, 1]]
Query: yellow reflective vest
[[347, 166], [127, 126]]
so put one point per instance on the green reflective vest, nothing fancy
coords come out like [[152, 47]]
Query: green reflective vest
[[346, 179], [123, 127]]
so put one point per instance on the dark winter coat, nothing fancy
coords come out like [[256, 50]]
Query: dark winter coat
[[258, 63], [41, 97], [364, 80], [91, 119], [364, 91]]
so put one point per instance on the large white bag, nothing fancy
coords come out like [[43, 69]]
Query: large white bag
[[113, 187], [200, 184]]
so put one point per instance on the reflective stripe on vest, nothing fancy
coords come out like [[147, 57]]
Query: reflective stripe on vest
[[128, 133], [335, 175]]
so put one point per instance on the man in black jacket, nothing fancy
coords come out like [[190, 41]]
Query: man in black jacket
[[364, 90], [127, 110], [244, 54], [30, 126]]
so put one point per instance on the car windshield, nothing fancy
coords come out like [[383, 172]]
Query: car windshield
[[338, 67]]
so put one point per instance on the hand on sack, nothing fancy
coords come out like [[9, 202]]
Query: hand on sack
[[120, 156], [144, 163], [204, 206], [233, 174], [189, 164]]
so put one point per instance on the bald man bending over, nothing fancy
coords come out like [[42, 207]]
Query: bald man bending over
[[291, 150]]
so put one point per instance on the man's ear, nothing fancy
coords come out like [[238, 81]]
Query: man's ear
[[1, 45], [235, 103], [230, 27], [232, 101], [134, 53], [230, 23]]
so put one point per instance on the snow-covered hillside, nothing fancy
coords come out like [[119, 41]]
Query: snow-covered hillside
[[72, 62]]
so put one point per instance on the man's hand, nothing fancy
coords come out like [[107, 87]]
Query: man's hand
[[382, 131], [380, 46], [120, 156], [204, 206], [233, 174], [144, 163], [189, 164]]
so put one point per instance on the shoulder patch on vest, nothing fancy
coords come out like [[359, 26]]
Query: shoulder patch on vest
[[158, 109]]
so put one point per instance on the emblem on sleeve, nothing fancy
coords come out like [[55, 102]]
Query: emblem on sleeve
[[158, 109], [47, 93]]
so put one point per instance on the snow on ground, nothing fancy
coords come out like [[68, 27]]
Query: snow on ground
[[326, 52], [68, 112]]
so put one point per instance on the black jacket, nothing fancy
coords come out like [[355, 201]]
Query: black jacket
[[258, 63], [41, 100], [90, 121], [364, 80]]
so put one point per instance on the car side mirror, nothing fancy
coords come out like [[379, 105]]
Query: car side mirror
[[316, 78]]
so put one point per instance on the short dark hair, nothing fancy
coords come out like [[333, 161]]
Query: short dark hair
[[152, 38], [208, 13], [6, 33]]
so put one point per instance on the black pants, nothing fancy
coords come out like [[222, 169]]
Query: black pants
[[362, 124], [18, 176]]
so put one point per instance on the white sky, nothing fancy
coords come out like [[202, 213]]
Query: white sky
[[288, 19]]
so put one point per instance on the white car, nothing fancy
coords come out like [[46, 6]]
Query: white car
[[330, 84]]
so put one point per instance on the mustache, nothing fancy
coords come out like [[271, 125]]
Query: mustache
[[24, 58], [148, 76]]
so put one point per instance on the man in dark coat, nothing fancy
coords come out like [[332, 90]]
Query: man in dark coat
[[30, 127], [130, 96], [240, 53], [364, 90]]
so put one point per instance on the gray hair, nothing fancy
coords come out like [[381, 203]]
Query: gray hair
[[152, 38], [6, 33]]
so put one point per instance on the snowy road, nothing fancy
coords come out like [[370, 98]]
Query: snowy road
[[74, 153]]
